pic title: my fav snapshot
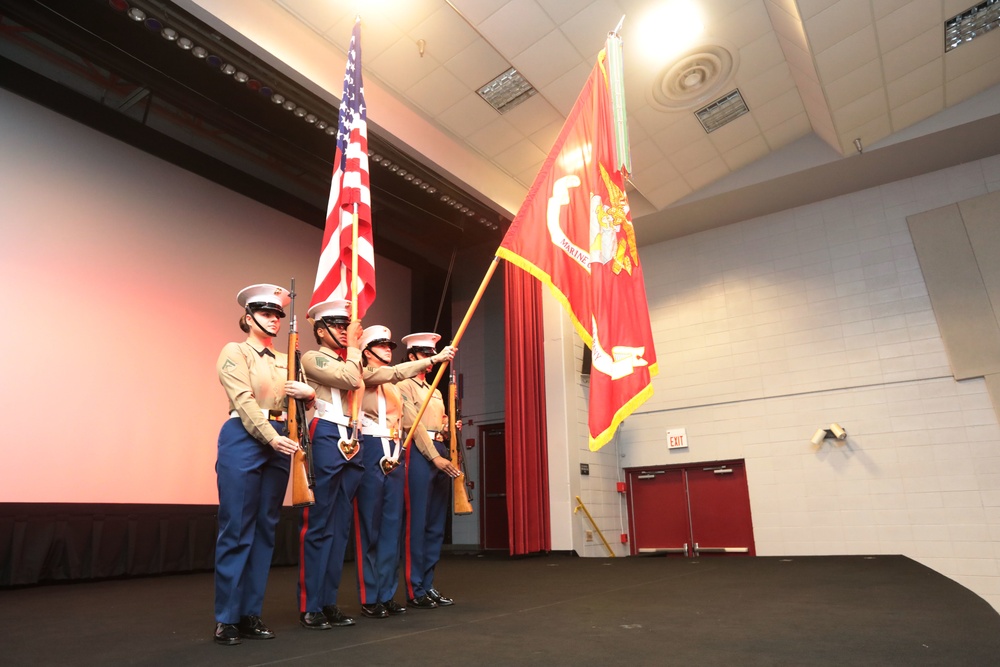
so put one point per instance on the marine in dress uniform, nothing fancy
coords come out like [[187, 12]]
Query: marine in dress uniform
[[429, 474], [378, 507], [334, 371], [253, 463]]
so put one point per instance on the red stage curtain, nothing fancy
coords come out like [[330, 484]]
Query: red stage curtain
[[527, 448]]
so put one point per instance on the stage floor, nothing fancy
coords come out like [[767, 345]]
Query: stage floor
[[549, 610]]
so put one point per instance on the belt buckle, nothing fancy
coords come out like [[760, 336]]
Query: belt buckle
[[439, 437], [388, 465], [276, 415], [349, 448]]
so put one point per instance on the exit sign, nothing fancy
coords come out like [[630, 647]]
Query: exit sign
[[677, 438]]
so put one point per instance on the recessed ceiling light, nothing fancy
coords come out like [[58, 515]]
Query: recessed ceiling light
[[973, 22], [507, 90]]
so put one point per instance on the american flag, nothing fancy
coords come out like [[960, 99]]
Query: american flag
[[349, 192]]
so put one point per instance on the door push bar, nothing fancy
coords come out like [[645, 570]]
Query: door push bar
[[665, 550], [719, 550]]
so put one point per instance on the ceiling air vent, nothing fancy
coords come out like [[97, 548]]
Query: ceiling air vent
[[973, 22], [724, 110], [507, 91]]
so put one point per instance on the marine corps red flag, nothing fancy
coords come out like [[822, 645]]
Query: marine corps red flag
[[574, 233], [347, 239]]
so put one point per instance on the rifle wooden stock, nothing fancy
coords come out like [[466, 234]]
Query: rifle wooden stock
[[461, 492], [302, 493]]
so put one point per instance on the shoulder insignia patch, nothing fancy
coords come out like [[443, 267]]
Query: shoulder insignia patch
[[228, 366]]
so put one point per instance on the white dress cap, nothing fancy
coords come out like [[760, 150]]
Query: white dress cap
[[377, 334], [339, 309], [264, 297], [425, 339]]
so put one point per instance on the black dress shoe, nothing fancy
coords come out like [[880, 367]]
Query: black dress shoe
[[442, 601], [423, 602], [336, 617], [394, 608], [227, 634], [314, 620], [376, 610], [252, 627]]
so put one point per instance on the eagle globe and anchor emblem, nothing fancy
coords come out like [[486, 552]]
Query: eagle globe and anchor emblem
[[612, 240]]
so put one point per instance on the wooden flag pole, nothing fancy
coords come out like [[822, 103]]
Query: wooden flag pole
[[357, 394], [454, 343]]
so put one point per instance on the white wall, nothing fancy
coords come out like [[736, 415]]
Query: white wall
[[771, 328], [121, 273]]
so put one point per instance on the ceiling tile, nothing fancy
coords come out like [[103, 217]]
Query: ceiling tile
[[562, 92], [913, 54], [800, 62], [779, 109], [562, 10], [791, 130], [527, 175], [376, 36], [707, 173], [976, 81], [869, 133], [445, 34], [697, 152], [477, 64], [853, 85], [516, 26], [679, 135], [496, 137], [790, 7], [915, 84], [437, 91], [837, 22], [788, 26], [971, 55], [667, 193], [587, 29], [545, 138], [745, 153], [547, 59], [862, 110], [519, 157], [321, 16], [771, 83], [742, 25], [532, 115], [733, 134], [759, 56], [886, 7], [476, 11], [848, 55], [644, 155], [400, 65], [810, 8], [953, 7], [406, 15], [910, 20], [917, 109], [469, 114]]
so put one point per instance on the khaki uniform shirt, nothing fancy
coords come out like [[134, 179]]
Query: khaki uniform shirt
[[325, 370], [386, 377], [435, 418], [254, 380]]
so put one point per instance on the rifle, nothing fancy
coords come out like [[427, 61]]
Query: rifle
[[462, 497], [303, 476]]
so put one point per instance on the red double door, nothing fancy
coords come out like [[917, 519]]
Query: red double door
[[690, 510]]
